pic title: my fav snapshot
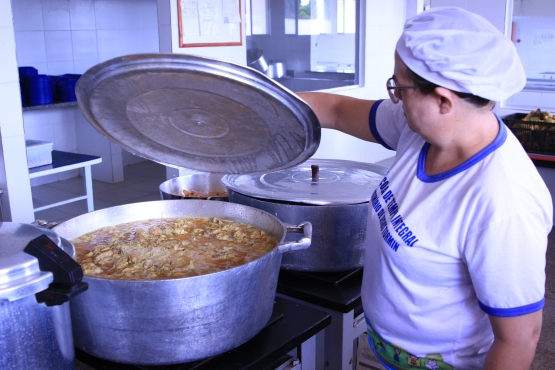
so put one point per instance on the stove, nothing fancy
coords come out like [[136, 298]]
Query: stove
[[291, 326], [337, 293]]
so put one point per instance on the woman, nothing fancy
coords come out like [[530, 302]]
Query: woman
[[454, 273]]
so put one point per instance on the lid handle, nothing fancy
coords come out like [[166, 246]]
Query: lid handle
[[315, 172], [67, 273]]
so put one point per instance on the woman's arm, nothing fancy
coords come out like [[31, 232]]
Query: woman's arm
[[515, 341], [343, 113]]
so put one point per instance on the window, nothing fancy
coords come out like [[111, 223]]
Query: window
[[256, 17], [314, 41], [316, 17], [533, 33]]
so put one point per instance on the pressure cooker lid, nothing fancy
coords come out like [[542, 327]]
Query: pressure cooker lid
[[191, 112], [335, 182], [20, 275]]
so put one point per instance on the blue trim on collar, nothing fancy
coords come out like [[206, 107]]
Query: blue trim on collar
[[423, 176], [372, 124], [514, 311]]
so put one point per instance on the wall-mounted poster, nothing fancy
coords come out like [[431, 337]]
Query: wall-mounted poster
[[209, 23]]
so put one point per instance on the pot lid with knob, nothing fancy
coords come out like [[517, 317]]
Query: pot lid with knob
[[315, 182], [192, 112]]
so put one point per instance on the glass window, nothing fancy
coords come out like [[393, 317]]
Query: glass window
[[533, 32], [309, 44], [256, 17], [291, 17]]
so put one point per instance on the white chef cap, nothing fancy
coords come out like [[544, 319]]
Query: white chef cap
[[463, 52]]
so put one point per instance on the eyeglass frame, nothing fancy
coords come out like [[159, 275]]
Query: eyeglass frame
[[392, 95]]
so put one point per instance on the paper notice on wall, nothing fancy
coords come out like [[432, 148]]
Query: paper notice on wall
[[209, 22], [231, 13], [209, 17], [190, 19], [544, 39]]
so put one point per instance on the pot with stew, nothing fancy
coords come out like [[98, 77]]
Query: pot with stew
[[175, 280]]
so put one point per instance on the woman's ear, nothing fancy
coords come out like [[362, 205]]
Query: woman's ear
[[445, 100]]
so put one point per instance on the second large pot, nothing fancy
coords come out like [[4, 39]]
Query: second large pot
[[179, 320], [335, 200]]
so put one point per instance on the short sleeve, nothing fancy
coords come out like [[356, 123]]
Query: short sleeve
[[506, 262], [387, 121]]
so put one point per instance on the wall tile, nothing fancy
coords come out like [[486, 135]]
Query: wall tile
[[30, 48], [27, 15], [11, 123], [84, 45], [6, 14], [109, 44], [81, 14], [58, 46], [60, 68], [81, 66], [130, 43], [149, 14], [55, 14], [117, 168], [17, 176], [131, 16], [151, 42], [107, 15], [8, 62], [65, 136]]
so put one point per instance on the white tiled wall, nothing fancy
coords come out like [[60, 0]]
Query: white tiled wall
[[70, 36], [14, 180]]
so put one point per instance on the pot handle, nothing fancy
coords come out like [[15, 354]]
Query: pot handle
[[303, 243]]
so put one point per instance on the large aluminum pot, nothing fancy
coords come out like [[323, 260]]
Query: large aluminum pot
[[332, 194], [208, 184], [179, 320], [338, 243]]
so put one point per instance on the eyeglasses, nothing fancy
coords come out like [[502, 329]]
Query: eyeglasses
[[392, 89]]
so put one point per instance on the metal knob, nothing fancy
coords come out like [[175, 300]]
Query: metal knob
[[315, 172]]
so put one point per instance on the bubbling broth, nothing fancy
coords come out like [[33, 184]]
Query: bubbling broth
[[169, 248]]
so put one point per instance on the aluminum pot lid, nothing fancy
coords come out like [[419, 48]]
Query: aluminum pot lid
[[192, 112], [338, 182], [20, 275]]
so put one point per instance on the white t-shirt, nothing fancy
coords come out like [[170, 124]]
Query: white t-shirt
[[449, 249]]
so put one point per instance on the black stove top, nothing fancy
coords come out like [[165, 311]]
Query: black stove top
[[290, 325], [338, 290]]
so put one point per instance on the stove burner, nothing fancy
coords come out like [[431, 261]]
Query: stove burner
[[334, 277]]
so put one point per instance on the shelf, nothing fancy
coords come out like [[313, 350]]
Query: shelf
[[51, 106]]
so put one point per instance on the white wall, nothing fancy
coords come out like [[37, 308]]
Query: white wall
[[14, 178], [383, 25], [70, 36]]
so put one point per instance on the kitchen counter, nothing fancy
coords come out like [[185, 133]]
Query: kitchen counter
[[291, 325]]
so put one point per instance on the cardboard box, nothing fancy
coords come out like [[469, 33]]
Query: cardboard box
[[39, 153]]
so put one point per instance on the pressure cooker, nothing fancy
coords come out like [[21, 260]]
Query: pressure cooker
[[38, 277]]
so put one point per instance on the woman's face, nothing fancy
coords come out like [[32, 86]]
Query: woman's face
[[420, 109]]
